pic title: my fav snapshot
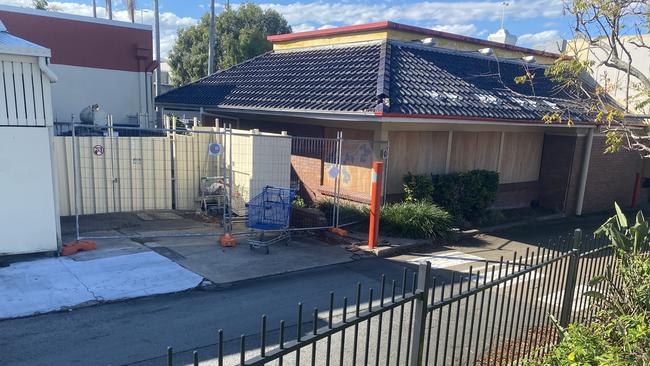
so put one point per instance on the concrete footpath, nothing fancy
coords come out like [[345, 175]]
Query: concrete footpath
[[51, 284]]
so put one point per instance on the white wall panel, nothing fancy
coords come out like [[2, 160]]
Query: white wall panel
[[120, 93], [27, 213]]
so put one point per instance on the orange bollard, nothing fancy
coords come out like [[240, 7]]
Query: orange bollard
[[375, 204]]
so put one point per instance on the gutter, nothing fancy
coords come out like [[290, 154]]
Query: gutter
[[378, 117], [42, 64]]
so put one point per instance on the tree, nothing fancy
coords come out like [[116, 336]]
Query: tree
[[40, 4], [611, 28], [240, 34]]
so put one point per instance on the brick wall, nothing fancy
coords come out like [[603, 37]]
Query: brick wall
[[611, 178], [516, 195], [308, 171]]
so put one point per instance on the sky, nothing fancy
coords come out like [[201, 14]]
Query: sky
[[535, 22]]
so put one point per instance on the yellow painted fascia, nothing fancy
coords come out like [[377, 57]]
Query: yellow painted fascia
[[385, 34]]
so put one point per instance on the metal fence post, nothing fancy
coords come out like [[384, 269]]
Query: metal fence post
[[76, 177], [172, 162], [420, 315], [571, 279]]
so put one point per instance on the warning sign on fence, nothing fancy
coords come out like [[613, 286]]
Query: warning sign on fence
[[98, 150]]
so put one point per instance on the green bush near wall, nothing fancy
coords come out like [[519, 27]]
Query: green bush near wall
[[466, 194], [414, 220]]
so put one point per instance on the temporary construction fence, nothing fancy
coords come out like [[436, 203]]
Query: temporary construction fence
[[496, 313], [205, 175]]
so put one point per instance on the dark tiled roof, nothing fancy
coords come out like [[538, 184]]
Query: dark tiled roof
[[452, 83], [339, 79], [391, 77]]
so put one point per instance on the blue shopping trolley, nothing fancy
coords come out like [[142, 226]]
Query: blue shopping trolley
[[270, 211]]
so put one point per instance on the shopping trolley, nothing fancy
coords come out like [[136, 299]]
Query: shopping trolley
[[270, 211]]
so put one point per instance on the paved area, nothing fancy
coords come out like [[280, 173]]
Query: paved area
[[51, 284], [188, 240], [223, 266]]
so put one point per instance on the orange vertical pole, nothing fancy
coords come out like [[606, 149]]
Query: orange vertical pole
[[375, 203]]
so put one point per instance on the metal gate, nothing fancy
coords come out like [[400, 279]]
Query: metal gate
[[127, 182]]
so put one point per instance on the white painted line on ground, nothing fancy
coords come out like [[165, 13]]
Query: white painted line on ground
[[447, 259], [558, 298], [531, 276], [55, 283]]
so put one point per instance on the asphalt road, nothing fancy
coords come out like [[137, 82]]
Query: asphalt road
[[141, 329], [138, 331]]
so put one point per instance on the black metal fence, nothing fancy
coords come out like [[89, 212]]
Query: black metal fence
[[498, 314]]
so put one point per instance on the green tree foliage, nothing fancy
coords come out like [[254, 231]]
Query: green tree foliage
[[40, 4], [240, 34], [613, 29]]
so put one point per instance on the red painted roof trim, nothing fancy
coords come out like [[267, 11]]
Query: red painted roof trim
[[458, 118], [407, 28]]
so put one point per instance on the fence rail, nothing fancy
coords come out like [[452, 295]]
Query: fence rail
[[500, 314]]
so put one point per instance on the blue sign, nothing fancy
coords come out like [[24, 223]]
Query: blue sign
[[214, 149]]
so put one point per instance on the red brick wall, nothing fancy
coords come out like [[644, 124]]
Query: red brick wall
[[308, 171], [611, 177], [516, 195]]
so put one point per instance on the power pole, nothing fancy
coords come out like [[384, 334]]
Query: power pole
[[157, 42], [109, 8], [211, 42], [94, 8]]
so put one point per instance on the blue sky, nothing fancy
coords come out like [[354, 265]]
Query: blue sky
[[536, 22]]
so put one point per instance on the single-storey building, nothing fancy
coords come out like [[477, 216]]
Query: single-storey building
[[443, 102]]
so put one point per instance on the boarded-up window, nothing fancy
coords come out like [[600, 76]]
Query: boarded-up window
[[474, 150], [521, 156], [357, 155], [418, 152]]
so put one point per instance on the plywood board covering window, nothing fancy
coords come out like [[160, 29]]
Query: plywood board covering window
[[474, 150], [521, 157], [417, 152], [356, 161]]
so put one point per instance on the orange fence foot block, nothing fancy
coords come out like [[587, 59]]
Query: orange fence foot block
[[227, 240], [76, 246], [338, 231]]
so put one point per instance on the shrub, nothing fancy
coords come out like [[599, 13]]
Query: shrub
[[298, 202], [417, 188], [623, 341], [348, 213], [416, 220], [621, 333], [465, 195]]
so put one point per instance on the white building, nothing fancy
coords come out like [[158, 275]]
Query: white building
[[28, 213]]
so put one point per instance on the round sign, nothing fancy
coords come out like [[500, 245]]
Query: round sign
[[214, 149], [98, 150]]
